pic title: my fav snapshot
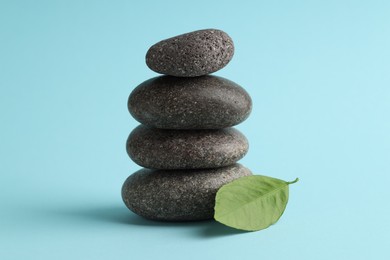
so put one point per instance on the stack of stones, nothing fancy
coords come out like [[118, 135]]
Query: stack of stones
[[185, 141]]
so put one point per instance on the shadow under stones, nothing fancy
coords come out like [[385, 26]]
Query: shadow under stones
[[219, 230], [121, 215]]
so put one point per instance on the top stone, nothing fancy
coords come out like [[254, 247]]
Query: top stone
[[192, 54]]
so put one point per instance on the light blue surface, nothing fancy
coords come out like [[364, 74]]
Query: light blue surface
[[318, 74]]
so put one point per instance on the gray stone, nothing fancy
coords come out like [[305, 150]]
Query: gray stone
[[207, 102], [177, 195], [185, 149], [192, 54]]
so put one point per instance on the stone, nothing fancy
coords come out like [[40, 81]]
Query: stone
[[185, 149], [177, 195], [192, 54], [206, 102]]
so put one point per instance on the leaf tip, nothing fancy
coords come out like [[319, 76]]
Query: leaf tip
[[294, 181]]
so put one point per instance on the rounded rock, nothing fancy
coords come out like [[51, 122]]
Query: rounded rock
[[192, 54], [207, 102], [177, 195], [185, 149]]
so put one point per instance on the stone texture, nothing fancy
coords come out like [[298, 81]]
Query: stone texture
[[207, 102], [177, 195], [185, 149], [192, 54]]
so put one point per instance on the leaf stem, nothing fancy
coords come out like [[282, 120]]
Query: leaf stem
[[294, 181]]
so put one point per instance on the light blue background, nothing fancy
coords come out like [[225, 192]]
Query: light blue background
[[318, 74]]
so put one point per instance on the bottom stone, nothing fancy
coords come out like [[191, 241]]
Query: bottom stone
[[177, 195]]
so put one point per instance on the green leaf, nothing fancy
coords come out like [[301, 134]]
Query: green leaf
[[251, 203]]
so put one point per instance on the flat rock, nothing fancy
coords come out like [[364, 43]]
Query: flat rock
[[177, 195], [192, 54], [207, 102], [185, 149]]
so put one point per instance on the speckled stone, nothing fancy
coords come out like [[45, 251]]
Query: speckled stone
[[177, 195], [192, 54], [207, 102], [185, 149]]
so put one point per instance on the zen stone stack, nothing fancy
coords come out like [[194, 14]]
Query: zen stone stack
[[185, 141]]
